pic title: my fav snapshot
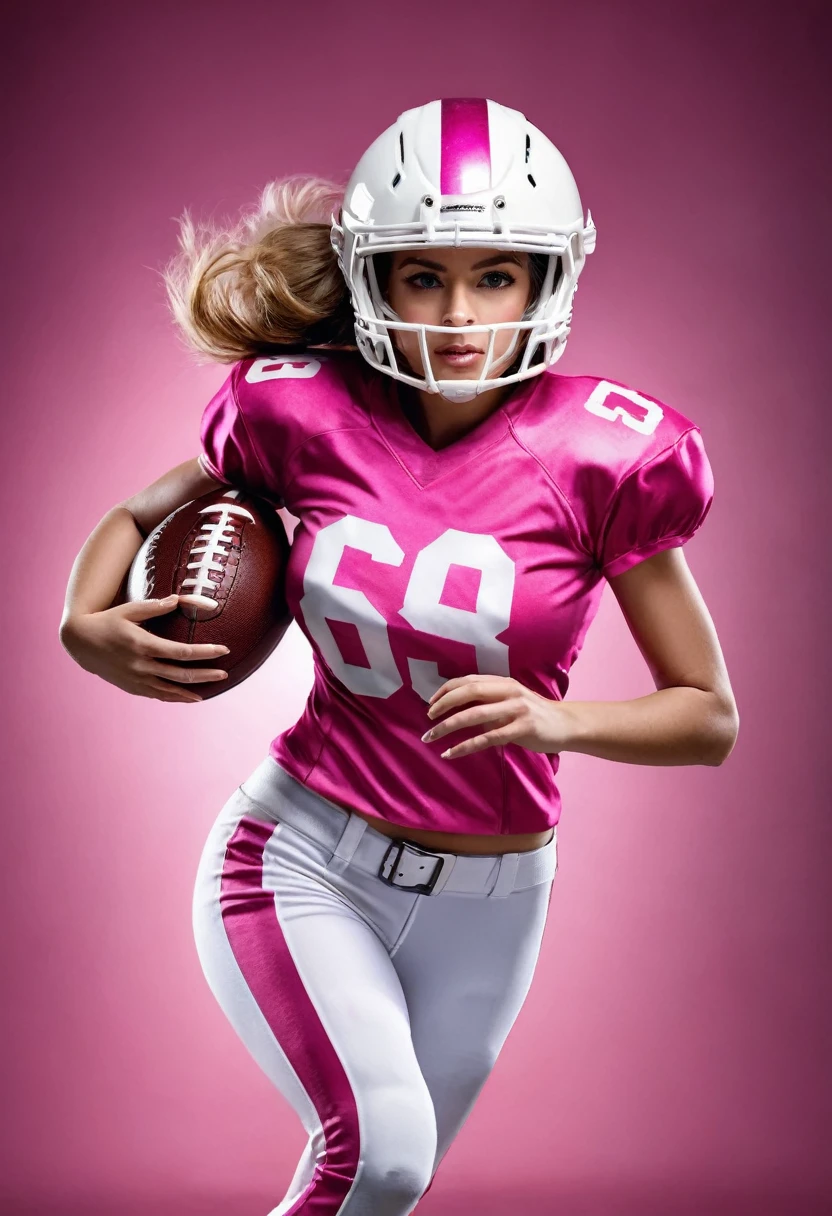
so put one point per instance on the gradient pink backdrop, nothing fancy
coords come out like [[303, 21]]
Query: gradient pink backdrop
[[673, 1055]]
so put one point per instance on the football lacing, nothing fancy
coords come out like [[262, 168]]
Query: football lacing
[[217, 540]]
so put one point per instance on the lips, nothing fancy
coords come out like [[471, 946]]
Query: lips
[[457, 350]]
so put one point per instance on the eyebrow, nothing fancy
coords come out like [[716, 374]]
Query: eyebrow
[[497, 260]]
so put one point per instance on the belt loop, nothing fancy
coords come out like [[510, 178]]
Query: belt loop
[[506, 876], [348, 843]]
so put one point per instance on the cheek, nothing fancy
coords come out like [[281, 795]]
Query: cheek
[[414, 308], [408, 345], [510, 305], [406, 341]]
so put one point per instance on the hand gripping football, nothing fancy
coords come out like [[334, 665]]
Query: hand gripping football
[[227, 552]]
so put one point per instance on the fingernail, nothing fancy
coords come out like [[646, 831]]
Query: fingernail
[[427, 736], [446, 754]]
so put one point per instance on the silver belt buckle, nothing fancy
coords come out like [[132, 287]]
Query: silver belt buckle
[[404, 860]]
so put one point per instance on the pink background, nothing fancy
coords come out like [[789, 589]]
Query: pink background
[[673, 1055]]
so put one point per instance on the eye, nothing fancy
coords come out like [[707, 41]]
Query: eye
[[424, 274], [500, 274]]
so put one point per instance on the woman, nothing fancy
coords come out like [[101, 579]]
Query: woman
[[370, 901]]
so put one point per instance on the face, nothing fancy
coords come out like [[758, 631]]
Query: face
[[459, 288]]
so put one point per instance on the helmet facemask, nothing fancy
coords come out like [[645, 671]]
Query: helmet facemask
[[378, 270], [541, 331]]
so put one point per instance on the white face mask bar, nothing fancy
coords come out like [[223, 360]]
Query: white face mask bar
[[379, 343]]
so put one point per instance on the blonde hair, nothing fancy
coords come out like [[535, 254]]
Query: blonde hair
[[271, 280], [268, 281]]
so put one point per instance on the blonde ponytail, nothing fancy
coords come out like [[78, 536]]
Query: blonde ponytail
[[270, 280]]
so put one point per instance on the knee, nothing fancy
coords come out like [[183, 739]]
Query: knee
[[399, 1151], [394, 1186]]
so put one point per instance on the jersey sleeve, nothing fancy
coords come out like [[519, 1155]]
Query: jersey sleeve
[[227, 450], [659, 505]]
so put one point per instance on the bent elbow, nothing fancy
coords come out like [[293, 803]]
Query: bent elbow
[[724, 739]]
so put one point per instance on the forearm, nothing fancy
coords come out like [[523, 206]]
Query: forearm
[[99, 569], [677, 725]]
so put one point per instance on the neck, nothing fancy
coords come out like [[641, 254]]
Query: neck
[[439, 421]]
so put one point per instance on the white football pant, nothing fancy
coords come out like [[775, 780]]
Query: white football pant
[[378, 1011]]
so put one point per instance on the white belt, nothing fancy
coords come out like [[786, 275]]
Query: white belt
[[400, 862]]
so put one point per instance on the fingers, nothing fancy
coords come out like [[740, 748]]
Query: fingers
[[181, 675], [163, 648], [457, 682], [164, 692], [491, 738], [479, 715], [482, 688], [139, 610], [181, 652]]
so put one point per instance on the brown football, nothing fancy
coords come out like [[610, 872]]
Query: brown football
[[227, 551]]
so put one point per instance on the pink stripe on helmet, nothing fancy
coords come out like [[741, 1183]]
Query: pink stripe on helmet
[[466, 147], [263, 956]]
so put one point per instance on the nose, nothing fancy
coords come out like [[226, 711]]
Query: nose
[[458, 309]]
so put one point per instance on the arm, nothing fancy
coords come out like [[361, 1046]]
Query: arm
[[99, 573], [692, 718]]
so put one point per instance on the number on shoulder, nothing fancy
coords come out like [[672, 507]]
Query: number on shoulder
[[285, 367], [644, 418]]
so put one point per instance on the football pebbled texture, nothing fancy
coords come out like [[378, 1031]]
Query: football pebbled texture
[[227, 551]]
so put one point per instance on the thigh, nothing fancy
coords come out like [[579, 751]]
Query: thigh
[[466, 966], [310, 989]]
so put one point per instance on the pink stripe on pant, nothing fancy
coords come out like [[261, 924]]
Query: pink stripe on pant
[[256, 939]]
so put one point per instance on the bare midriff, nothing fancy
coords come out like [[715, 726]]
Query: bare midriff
[[452, 842]]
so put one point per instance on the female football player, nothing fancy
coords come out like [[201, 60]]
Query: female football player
[[370, 901]]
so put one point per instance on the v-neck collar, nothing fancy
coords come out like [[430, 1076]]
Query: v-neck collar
[[424, 463]]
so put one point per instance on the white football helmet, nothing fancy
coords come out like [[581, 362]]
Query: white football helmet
[[463, 171]]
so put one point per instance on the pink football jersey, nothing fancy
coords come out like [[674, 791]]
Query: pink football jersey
[[411, 566]]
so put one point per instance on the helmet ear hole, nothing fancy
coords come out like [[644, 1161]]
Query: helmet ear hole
[[538, 268], [538, 265], [383, 266]]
